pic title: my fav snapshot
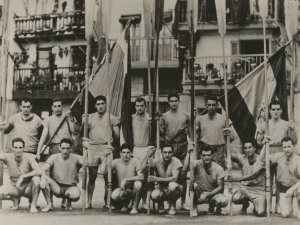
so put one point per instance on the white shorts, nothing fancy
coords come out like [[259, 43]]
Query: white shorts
[[140, 152]]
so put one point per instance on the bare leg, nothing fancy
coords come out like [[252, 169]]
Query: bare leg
[[220, 201], [51, 188], [46, 192], [241, 198], [286, 205], [136, 197], [158, 195], [91, 186], [71, 195], [260, 206], [32, 191], [183, 193], [9, 192]]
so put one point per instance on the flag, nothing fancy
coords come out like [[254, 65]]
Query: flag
[[106, 14], [246, 98], [221, 16], [89, 17], [291, 18], [192, 7], [119, 85]]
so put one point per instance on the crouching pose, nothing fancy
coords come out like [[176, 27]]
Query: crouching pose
[[63, 179], [209, 181], [128, 175], [252, 187], [24, 174], [167, 169]]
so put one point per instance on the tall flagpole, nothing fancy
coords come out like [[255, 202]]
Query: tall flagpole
[[293, 79], [267, 119]]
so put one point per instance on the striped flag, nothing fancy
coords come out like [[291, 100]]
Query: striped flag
[[119, 84], [246, 98]]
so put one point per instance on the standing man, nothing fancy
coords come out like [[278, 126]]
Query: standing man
[[97, 130], [141, 135], [253, 180], [167, 169], [51, 123], [208, 181], [24, 174], [212, 130], [278, 129], [27, 126], [129, 178], [288, 174], [63, 178], [171, 122]]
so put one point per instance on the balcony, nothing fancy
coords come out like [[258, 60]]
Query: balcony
[[168, 54], [48, 82], [209, 70], [47, 26], [240, 14]]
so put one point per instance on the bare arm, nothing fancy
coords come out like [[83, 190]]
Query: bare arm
[[173, 178], [249, 176], [186, 162], [234, 157], [151, 151], [116, 131], [103, 167], [8, 128], [259, 139], [42, 141], [35, 172], [219, 189]]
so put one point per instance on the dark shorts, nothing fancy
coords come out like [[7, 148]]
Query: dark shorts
[[64, 188]]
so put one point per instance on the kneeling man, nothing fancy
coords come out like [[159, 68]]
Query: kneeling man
[[64, 167], [24, 174], [208, 181], [252, 180], [167, 169]]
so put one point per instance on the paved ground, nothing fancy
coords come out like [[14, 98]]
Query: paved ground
[[98, 215]]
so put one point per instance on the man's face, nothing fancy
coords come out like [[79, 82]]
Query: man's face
[[18, 149], [249, 149], [288, 148], [167, 154], [57, 108], [206, 157], [174, 102], [65, 149], [211, 106], [26, 108], [275, 111], [100, 106], [126, 154], [140, 107]]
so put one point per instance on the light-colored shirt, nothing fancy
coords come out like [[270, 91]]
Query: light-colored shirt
[[15, 170], [288, 172], [126, 169], [258, 182], [161, 171], [65, 171], [172, 122], [207, 180], [277, 131], [211, 130], [141, 129], [27, 130], [97, 127], [52, 123]]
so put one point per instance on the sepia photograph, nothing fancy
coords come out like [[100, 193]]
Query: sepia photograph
[[169, 112]]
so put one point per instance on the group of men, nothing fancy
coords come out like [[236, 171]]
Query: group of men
[[168, 170]]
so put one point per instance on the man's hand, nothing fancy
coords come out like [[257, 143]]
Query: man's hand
[[226, 131], [43, 182], [86, 143], [266, 139], [291, 125], [109, 149], [68, 113], [203, 197], [18, 184], [38, 157], [289, 193], [152, 179], [231, 178], [191, 147], [123, 182], [151, 151]]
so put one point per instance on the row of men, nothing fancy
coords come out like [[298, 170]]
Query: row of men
[[27, 177], [211, 127]]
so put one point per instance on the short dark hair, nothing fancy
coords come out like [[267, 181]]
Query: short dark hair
[[166, 146], [57, 100], [212, 98], [286, 139], [249, 140], [25, 99], [66, 140], [126, 146], [275, 102], [173, 95], [140, 100], [206, 148], [18, 139], [100, 97]]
